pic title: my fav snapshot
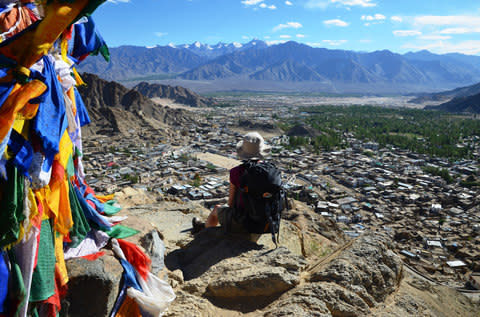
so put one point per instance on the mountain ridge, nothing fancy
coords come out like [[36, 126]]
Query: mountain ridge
[[115, 108], [290, 62]]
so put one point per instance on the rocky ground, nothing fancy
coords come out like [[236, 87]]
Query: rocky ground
[[315, 271]]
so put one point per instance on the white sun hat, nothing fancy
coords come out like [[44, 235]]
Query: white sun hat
[[252, 147]]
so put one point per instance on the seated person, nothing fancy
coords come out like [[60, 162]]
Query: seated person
[[251, 147]]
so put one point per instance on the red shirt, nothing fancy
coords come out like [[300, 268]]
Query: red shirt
[[235, 174]]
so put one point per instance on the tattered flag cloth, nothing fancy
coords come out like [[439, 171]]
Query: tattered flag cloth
[[136, 257], [3, 281], [43, 279], [18, 99], [11, 207], [129, 308], [22, 151], [121, 232], [81, 110], [17, 293], [47, 211], [87, 40], [111, 207], [129, 275], [91, 214], [13, 19], [153, 296], [94, 241], [80, 226], [25, 253], [50, 122]]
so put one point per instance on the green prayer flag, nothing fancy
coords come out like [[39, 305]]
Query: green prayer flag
[[80, 226], [43, 278], [121, 232], [11, 206], [70, 167], [16, 293], [110, 209]]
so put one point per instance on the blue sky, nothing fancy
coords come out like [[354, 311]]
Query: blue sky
[[441, 26]]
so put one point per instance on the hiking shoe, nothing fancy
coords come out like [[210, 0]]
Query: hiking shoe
[[197, 225]]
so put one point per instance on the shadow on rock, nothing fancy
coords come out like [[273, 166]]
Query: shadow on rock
[[207, 249]]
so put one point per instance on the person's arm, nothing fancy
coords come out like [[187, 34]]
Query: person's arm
[[231, 195]]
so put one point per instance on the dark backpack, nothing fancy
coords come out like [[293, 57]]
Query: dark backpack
[[263, 198]]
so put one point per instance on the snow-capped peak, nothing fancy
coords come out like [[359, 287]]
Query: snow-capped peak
[[172, 45], [237, 45], [197, 44]]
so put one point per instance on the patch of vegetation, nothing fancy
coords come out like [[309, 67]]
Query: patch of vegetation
[[433, 133], [443, 173], [368, 153], [184, 158], [210, 166], [134, 178], [469, 182], [197, 180]]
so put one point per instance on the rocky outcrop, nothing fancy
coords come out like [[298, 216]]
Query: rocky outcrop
[[93, 286], [114, 109], [232, 270], [178, 94], [357, 278], [368, 267]]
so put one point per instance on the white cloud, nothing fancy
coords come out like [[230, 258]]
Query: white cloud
[[160, 34], [262, 5], [434, 37], [288, 3], [351, 3], [457, 20], [251, 2], [396, 18], [315, 44], [272, 7], [285, 36], [365, 41], [406, 33], [336, 22], [466, 47], [334, 42], [300, 35], [288, 25], [459, 30], [274, 42], [245, 37], [266, 37], [322, 4], [376, 17]]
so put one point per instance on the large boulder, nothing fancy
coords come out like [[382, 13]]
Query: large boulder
[[349, 282], [368, 267], [93, 286]]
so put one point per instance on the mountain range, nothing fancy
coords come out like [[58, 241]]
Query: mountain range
[[463, 104], [257, 66]]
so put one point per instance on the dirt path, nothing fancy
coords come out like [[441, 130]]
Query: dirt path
[[218, 160]]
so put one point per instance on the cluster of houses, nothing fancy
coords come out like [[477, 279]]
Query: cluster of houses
[[436, 225]]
